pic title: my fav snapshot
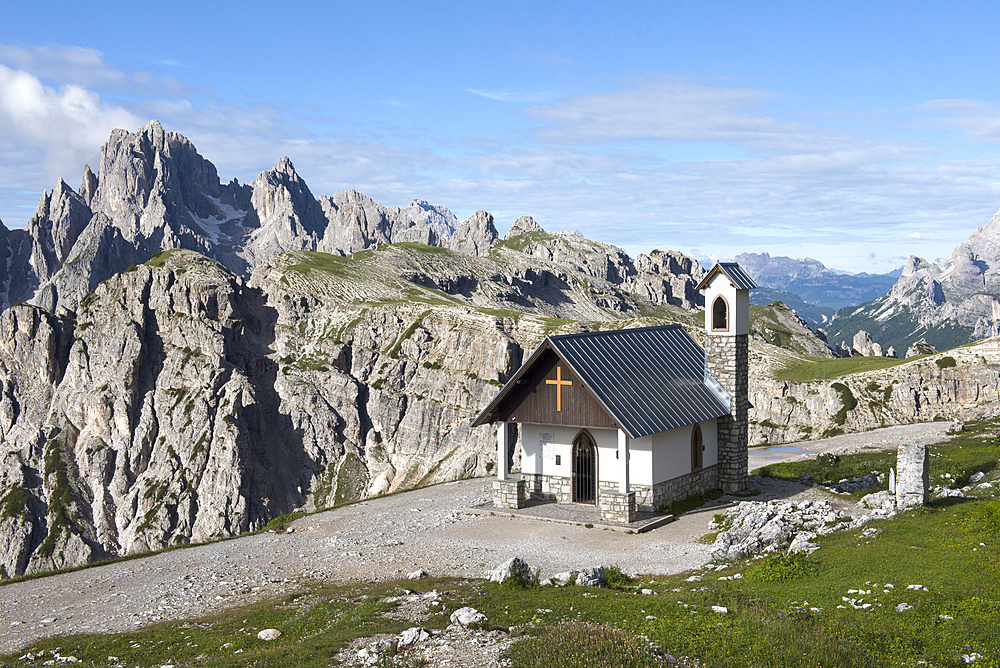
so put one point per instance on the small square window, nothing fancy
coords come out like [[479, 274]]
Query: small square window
[[558, 460]]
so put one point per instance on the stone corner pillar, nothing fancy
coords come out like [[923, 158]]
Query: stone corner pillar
[[727, 359], [617, 507], [509, 493]]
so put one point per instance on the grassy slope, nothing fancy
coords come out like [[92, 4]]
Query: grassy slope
[[783, 612]]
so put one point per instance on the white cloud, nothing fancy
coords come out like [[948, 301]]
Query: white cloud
[[65, 125]]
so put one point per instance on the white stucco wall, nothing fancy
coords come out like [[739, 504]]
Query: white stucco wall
[[608, 466], [672, 451], [739, 306], [653, 458]]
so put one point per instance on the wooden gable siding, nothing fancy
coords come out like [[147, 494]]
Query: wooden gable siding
[[535, 401]]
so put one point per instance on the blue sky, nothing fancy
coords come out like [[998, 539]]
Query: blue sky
[[853, 133]]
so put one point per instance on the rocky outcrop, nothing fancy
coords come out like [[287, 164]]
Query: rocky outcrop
[[864, 345], [962, 384], [475, 235]]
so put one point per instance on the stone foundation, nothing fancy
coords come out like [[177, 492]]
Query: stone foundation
[[616, 507], [549, 487], [509, 494], [647, 499], [684, 486]]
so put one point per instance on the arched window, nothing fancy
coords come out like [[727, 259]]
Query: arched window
[[697, 448], [720, 314]]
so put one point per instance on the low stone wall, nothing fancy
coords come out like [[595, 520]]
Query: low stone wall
[[549, 487], [684, 486], [616, 507]]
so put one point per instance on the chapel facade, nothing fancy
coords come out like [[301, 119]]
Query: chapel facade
[[631, 419]]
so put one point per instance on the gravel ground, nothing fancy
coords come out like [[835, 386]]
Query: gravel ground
[[378, 539]]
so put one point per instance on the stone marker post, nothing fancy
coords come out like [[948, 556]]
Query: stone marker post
[[912, 475]]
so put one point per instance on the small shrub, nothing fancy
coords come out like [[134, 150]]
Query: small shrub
[[946, 362], [781, 567], [616, 578]]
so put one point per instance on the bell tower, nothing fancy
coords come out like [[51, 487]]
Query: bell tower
[[727, 332]]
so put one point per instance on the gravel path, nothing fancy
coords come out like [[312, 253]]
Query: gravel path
[[377, 539]]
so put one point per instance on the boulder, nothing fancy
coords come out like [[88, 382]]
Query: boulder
[[412, 636], [468, 617], [515, 569], [592, 577]]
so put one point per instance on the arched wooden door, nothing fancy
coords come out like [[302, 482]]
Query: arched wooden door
[[697, 448], [584, 469]]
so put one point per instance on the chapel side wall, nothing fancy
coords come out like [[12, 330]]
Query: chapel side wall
[[672, 451]]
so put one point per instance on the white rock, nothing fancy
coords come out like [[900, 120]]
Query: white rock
[[721, 609], [902, 607], [413, 635], [514, 568], [269, 634], [467, 617], [417, 575], [592, 577], [648, 592]]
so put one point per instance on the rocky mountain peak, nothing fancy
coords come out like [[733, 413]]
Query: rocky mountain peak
[[522, 225], [475, 235], [440, 218]]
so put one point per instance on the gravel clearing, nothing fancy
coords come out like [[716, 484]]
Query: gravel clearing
[[377, 539]]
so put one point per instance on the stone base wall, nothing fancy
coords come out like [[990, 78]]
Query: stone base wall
[[647, 499], [509, 494], [616, 507], [681, 487], [549, 487]]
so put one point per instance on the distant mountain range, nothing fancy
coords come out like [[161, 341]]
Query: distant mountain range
[[946, 303], [813, 281], [810, 288]]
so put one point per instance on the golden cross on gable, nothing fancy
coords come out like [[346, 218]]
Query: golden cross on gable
[[558, 382]]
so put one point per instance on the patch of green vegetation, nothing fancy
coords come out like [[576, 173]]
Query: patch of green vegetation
[[189, 354], [307, 261], [282, 520], [14, 503], [314, 361], [782, 567], [393, 350], [60, 499], [579, 644], [351, 479], [808, 369], [161, 258], [682, 506], [847, 403], [420, 248], [436, 364], [945, 362], [767, 423], [86, 302], [325, 487]]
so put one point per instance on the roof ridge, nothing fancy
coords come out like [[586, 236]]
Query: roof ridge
[[673, 325]]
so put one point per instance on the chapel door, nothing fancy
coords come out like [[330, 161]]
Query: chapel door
[[584, 469]]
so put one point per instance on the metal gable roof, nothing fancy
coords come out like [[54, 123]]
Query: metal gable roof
[[737, 274], [650, 379]]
